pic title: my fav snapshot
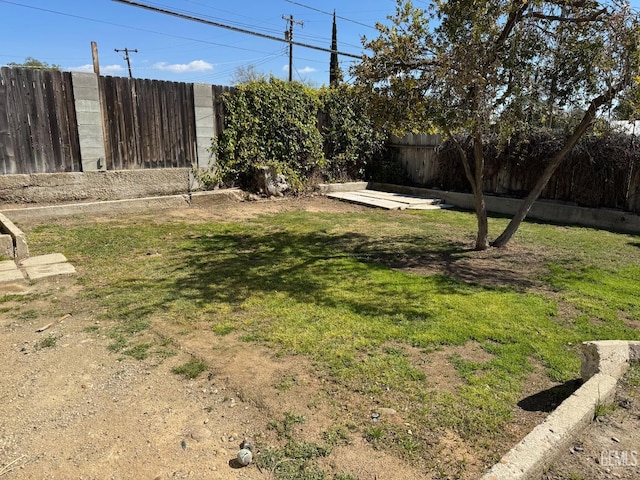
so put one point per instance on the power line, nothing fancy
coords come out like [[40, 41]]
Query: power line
[[130, 27], [329, 13], [230, 27]]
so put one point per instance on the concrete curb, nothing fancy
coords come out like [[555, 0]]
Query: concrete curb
[[20, 248], [545, 211], [133, 205], [604, 363]]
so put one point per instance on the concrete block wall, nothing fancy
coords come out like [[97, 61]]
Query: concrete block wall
[[89, 116], [203, 104]]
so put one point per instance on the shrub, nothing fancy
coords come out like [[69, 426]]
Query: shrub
[[272, 124]]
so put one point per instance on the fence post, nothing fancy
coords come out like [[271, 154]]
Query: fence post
[[203, 105], [89, 114]]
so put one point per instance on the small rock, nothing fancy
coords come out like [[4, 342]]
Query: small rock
[[387, 411], [615, 439], [200, 434]]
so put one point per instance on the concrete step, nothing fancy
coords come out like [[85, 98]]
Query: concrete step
[[35, 268]]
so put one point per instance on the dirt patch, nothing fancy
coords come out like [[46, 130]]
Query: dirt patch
[[72, 409], [440, 373], [609, 447], [511, 266]]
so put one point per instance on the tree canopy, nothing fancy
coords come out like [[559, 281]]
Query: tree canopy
[[466, 68], [31, 62]]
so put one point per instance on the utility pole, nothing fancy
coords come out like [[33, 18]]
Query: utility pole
[[126, 57], [288, 36], [94, 56]]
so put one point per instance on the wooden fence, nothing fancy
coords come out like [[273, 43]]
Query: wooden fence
[[147, 123], [594, 182], [38, 127]]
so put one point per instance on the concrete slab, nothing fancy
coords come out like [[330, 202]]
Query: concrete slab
[[6, 246], [7, 265], [21, 250], [325, 188], [440, 206], [388, 200], [400, 197], [38, 272], [356, 197], [9, 272], [39, 260]]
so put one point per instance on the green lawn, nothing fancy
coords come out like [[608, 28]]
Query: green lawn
[[322, 285]]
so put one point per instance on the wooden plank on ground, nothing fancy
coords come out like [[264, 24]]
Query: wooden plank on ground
[[400, 197], [356, 197]]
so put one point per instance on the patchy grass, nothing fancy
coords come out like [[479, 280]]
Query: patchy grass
[[344, 290], [191, 369], [49, 341]]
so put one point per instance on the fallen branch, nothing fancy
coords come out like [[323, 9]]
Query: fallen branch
[[49, 325]]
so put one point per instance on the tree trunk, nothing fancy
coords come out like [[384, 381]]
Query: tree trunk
[[482, 238], [542, 182], [475, 180]]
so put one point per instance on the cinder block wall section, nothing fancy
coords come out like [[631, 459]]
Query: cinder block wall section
[[89, 115], [203, 104]]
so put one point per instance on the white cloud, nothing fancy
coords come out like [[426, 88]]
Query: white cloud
[[195, 66], [104, 69], [300, 70], [111, 69]]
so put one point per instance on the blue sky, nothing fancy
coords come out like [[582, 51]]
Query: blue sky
[[61, 31]]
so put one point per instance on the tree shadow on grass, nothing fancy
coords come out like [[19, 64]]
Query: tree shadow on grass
[[548, 400], [349, 271], [309, 267]]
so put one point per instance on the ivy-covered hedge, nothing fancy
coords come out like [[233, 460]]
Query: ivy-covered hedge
[[307, 135], [351, 143], [597, 172]]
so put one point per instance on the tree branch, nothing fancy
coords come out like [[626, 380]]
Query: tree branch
[[559, 18], [514, 17]]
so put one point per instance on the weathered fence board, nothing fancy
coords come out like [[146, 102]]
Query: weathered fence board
[[38, 127], [148, 123]]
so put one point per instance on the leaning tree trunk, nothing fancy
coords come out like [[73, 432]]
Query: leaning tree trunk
[[482, 238], [542, 182], [475, 178]]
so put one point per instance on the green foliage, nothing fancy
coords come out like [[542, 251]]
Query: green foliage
[[479, 67], [351, 143], [294, 461], [275, 124], [28, 315], [34, 63], [191, 369], [49, 341], [284, 427], [594, 174], [270, 124], [139, 351]]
